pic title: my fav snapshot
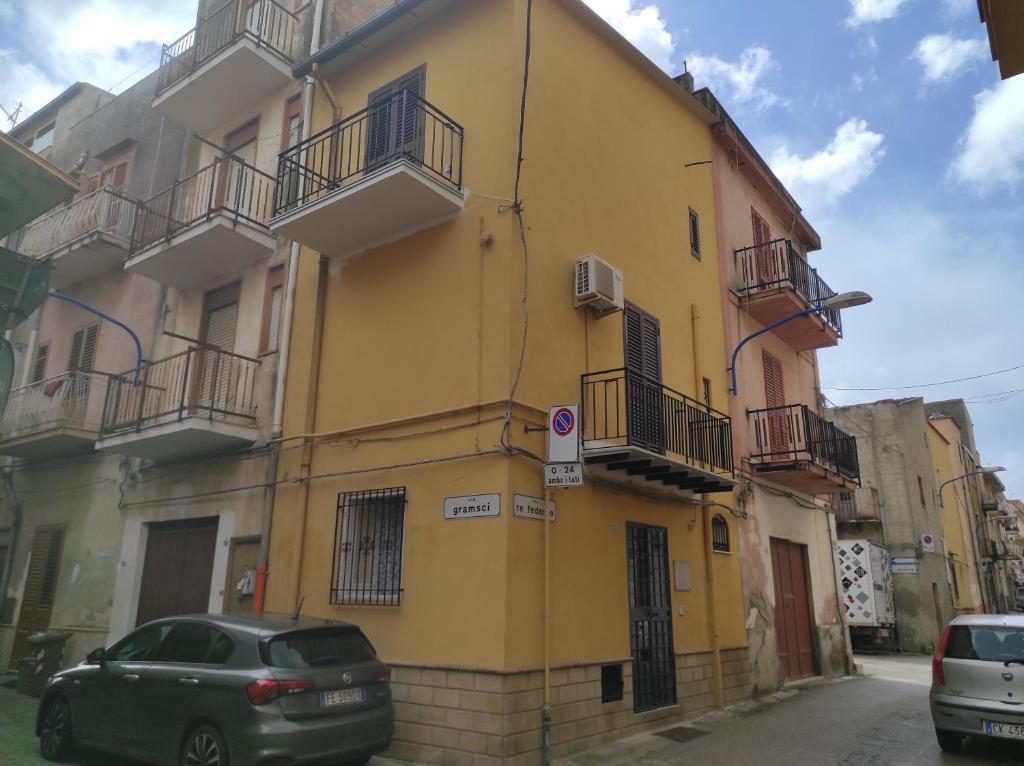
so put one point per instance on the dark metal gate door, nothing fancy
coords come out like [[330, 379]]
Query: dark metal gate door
[[178, 567], [650, 617], [792, 609]]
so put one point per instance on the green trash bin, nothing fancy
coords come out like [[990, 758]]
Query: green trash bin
[[47, 658]]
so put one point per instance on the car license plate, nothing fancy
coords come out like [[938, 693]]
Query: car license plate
[[1012, 730], [342, 697]]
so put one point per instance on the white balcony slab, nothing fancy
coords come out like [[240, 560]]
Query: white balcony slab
[[228, 84], [204, 250], [86, 258], [49, 443], [636, 469], [385, 206], [179, 438]]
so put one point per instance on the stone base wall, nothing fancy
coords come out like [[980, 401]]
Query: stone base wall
[[472, 718]]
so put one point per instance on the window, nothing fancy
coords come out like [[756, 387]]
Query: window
[[273, 303], [952, 562], [193, 642], [719, 534], [141, 645], [44, 137], [39, 366], [83, 349], [707, 393], [643, 343], [319, 647], [694, 234], [368, 547], [395, 127], [291, 130], [920, 491], [985, 643]]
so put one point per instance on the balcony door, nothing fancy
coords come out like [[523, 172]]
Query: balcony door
[[396, 121], [764, 263], [214, 390], [644, 404], [777, 421], [80, 365], [235, 181]]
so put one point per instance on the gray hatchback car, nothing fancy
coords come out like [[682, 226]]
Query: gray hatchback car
[[978, 679], [211, 690]]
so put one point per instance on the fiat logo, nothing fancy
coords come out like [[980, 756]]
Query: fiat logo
[[347, 677], [1007, 676]]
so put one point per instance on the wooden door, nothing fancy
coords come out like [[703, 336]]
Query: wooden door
[[792, 609], [644, 406], [650, 617], [764, 266], [396, 121], [243, 558], [40, 588], [177, 569], [778, 425]]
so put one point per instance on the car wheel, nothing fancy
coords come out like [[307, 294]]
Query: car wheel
[[949, 741], [55, 730], [204, 746]]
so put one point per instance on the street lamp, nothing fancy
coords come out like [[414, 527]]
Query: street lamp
[[838, 302], [983, 469]]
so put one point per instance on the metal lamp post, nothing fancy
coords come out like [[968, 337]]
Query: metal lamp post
[[983, 469], [840, 301]]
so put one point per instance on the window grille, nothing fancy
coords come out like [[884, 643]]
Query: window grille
[[719, 534], [368, 547]]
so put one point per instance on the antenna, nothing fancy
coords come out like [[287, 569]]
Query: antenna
[[12, 117], [298, 609]]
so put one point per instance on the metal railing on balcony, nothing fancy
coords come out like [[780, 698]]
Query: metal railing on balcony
[[857, 505], [69, 400], [266, 22], [401, 127], [777, 264], [624, 408], [103, 211], [227, 186], [201, 382], [794, 433]]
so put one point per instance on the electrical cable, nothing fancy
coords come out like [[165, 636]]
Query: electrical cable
[[927, 385]]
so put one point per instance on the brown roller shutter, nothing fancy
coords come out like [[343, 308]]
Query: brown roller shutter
[[40, 588]]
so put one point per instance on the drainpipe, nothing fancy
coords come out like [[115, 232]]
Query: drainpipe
[[260, 589], [545, 711], [310, 427], [716, 644], [15, 528]]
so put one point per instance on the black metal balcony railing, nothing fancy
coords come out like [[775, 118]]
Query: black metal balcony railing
[[264, 21], [793, 433], [68, 400], [625, 408], [103, 211], [198, 382], [777, 264], [857, 505], [228, 186], [400, 127]]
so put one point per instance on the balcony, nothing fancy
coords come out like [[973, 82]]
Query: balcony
[[388, 171], [83, 240], [801, 450], [857, 506], [232, 60], [211, 223], [641, 434], [54, 418], [199, 401], [775, 282]]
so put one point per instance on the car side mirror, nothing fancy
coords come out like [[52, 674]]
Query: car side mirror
[[96, 656]]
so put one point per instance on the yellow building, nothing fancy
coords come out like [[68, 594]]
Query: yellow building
[[436, 321], [944, 442]]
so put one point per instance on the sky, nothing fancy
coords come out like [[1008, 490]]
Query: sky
[[885, 118]]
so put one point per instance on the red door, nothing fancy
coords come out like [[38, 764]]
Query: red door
[[792, 609], [778, 426]]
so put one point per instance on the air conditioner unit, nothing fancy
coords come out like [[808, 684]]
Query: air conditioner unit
[[598, 285]]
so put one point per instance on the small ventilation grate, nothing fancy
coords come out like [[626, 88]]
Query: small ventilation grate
[[582, 278]]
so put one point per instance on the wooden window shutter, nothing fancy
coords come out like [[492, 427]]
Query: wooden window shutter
[[83, 349], [41, 583], [273, 304], [120, 176], [775, 396], [774, 391], [39, 366], [392, 129], [643, 343], [764, 263], [93, 183]]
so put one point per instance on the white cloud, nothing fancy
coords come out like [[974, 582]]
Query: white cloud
[[867, 11], [109, 44], [743, 80], [943, 57], [960, 7], [991, 153], [823, 177], [642, 25]]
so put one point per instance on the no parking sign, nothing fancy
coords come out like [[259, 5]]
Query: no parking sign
[[563, 434]]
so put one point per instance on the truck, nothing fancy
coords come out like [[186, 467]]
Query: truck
[[865, 573]]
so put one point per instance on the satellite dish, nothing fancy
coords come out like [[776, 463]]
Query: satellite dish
[[24, 283], [6, 372]]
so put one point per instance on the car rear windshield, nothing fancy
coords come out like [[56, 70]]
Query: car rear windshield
[[317, 648], [990, 643]]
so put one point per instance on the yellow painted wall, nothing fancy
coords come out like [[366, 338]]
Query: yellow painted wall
[[943, 436], [427, 331]]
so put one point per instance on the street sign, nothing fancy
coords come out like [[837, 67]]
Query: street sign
[[563, 434], [904, 565], [563, 474], [472, 506], [928, 543], [528, 507]]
